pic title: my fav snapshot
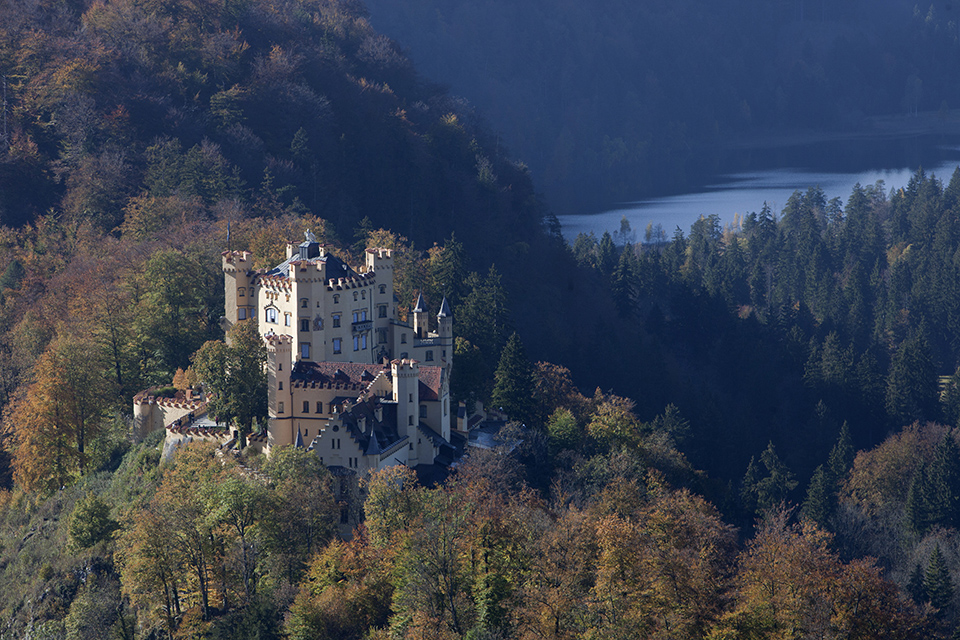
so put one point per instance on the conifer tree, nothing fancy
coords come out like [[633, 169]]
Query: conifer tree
[[915, 587], [748, 487], [944, 483], [513, 382], [841, 456], [912, 387], [778, 483], [918, 508], [937, 581], [819, 504], [606, 254], [623, 282]]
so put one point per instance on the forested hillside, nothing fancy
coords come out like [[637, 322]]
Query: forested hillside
[[688, 409], [615, 100]]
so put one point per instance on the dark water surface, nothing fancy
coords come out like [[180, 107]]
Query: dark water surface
[[771, 173]]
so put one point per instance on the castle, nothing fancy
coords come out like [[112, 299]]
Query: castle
[[346, 377]]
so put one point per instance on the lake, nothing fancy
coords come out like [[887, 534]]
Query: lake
[[771, 174]]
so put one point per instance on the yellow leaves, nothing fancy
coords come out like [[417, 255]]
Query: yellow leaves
[[613, 422], [55, 419], [791, 585]]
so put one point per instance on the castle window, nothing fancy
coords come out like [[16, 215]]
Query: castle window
[[410, 399], [286, 319], [241, 292], [381, 336], [356, 343], [403, 354], [336, 298], [305, 350], [336, 320], [409, 419], [382, 311], [354, 296], [270, 314], [337, 345], [304, 324], [280, 366], [430, 355], [319, 407], [363, 294], [306, 406], [280, 386], [383, 289], [279, 407], [363, 341], [303, 303], [423, 411], [241, 313], [411, 446], [403, 338]]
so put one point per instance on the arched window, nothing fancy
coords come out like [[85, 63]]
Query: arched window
[[383, 289]]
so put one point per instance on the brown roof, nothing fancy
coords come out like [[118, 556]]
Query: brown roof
[[430, 380]]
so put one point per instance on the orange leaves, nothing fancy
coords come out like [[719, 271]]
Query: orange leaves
[[791, 585], [55, 419]]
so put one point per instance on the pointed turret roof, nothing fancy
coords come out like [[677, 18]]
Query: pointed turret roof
[[418, 308], [444, 309], [298, 443], [373, 448]]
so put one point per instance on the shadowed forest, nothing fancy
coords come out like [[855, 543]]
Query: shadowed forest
[[612, 101], [742, 432]]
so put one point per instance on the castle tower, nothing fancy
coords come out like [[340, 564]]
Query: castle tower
[[406, 393], [279, 393], [445, 333], [420, 320], [240, 298]]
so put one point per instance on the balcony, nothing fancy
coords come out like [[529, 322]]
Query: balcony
[[362, 326]]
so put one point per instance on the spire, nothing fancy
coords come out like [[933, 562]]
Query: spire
[[444, 309], [418, 308], [373, 447], [298, 443]]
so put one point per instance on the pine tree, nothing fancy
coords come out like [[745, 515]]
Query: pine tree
[[819, 504], [841, 456], [623, 282], [944, 482], [915, 586], [918, 508], [748, 487], [778, 483], [606, 254], [937, 581], [912, 384], [513, 382]]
